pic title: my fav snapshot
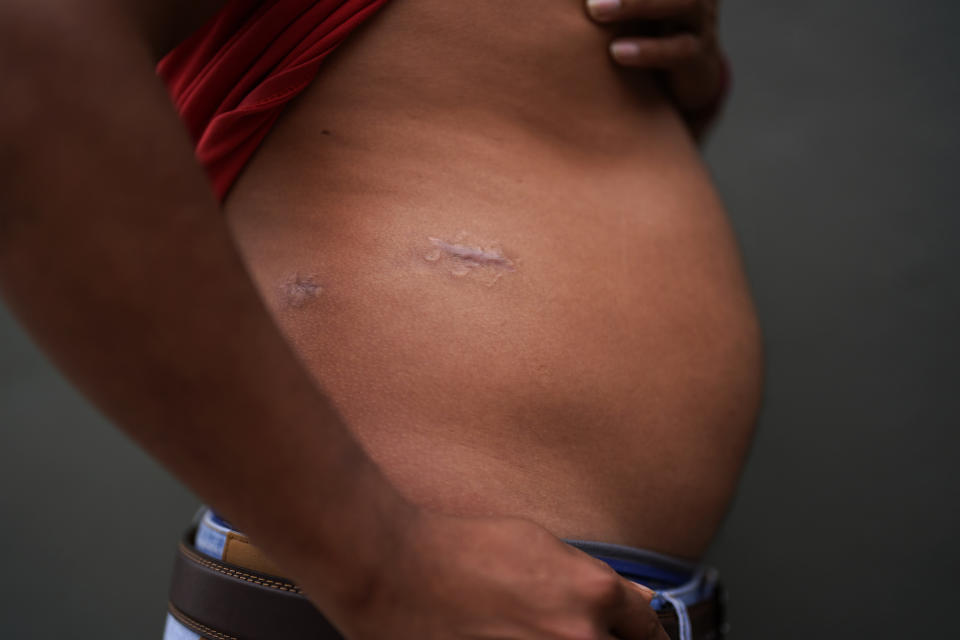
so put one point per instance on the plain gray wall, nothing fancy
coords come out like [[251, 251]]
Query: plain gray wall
[[838, 160]]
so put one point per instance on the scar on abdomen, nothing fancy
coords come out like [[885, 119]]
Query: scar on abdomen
[[298, 290], [486, 260]]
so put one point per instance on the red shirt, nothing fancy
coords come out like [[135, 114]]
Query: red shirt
[[231, 80]]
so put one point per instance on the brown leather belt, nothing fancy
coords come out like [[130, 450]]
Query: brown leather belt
[[220, 601]]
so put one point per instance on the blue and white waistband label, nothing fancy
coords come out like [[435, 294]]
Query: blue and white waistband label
[[211, 537]]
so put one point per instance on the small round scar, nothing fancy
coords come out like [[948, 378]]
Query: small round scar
[[298, 290], [483, 261]]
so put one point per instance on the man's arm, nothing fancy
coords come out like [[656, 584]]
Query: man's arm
[[114, 255]]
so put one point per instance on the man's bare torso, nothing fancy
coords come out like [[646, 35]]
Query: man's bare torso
[[505, 263]]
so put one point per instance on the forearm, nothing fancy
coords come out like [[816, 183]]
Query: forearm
[[115, 256]]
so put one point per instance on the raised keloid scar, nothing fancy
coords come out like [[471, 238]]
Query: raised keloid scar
[[486, 261], [298, 290]]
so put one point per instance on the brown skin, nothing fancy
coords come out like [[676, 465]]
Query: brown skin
[[108, 234]]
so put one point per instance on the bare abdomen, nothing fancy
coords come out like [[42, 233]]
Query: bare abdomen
[[513, 321], [597, 371]]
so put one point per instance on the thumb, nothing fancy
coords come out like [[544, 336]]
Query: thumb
[[635, 619], [646, 593]]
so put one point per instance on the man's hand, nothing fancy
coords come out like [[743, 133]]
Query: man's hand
[[490, 578], [678, 38]]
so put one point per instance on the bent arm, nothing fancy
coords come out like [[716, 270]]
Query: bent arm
[[115, 257]]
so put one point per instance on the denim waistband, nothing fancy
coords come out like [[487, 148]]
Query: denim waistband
[[677, 583]]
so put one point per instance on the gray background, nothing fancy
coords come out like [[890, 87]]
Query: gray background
[[838, 160]]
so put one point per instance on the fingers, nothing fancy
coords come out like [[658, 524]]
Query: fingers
[[616, 10], [687, 29], [666, 52], [633, 618]]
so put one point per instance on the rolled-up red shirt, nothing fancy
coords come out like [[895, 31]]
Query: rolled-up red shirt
[[231, 80]]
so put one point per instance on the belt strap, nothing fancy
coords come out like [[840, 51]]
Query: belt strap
[[227, 602], [224, 602]]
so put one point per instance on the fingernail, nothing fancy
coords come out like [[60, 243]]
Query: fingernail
[[650, 593], [603, 8], [624, 50]]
